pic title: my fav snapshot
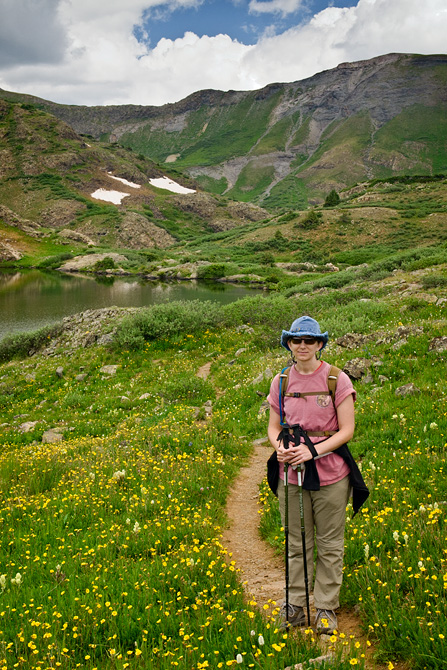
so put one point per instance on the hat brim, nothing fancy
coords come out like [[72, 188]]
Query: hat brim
[[287, 334]]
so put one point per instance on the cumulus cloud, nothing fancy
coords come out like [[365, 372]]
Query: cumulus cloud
[[94, 57]]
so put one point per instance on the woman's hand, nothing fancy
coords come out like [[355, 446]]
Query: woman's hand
[[295, 455]]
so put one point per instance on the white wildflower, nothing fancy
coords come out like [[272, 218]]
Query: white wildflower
[[128, 521], [396, 536], [2, 582], [433, 425], [119, 476], [366, 550], [17, 580], [406, 538], [136, 527], [260, 640], [239, 658]]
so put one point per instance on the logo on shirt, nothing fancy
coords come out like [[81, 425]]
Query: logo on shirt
[[323, 400]]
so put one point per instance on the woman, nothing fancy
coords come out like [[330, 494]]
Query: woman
[[325, 504]]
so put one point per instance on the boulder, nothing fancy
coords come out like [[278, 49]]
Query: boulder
[[438, 344], [109, 369], [87, 262], [357, 367], [27, 426], [407, 389], [352, 340], [53, 435]]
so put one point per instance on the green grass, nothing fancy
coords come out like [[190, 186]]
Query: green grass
[[216, 186], [289, 193], [252, 182], [111, 538], [276, 137], [419, 134]]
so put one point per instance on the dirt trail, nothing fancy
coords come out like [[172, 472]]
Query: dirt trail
[[261, 569]]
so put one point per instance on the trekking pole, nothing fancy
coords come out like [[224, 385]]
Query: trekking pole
[[286, 535], [303, 540]]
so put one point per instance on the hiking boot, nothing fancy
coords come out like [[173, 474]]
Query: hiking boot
[[325, 622], [296, 616]]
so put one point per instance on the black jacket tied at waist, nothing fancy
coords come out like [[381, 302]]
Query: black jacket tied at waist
[[311, 481]]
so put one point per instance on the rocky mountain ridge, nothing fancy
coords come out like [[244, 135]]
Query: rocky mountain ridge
[[289, 144]]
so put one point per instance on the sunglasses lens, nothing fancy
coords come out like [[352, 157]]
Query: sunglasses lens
[[306, 340]]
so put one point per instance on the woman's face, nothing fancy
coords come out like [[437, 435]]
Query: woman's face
[[304, 348]]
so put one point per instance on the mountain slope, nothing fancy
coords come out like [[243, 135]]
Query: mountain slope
[[49, 175], [290, 144]]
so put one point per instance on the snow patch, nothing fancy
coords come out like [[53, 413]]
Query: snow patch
[[124, 181], [109, 196], [169, 185]]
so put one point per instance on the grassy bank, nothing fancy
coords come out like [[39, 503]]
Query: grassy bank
[[111, 553]]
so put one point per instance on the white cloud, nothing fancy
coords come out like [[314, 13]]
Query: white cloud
[[92, 56], [283, 7]]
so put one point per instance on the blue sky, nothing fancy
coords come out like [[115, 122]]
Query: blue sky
[[152, 52], [214, 17]]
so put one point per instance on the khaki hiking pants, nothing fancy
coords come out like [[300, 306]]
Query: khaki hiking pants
[[324, 522]]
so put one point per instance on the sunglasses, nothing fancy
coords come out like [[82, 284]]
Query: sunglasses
[[306, 340]]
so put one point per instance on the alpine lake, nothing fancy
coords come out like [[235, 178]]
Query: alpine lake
[[31, 299]]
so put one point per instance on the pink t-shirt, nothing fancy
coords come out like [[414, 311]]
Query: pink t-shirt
[[314, 413]]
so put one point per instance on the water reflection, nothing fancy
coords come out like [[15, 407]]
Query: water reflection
[[32, 299]]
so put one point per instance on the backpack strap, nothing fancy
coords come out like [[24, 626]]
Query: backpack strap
[[332, 380], [283, 383]]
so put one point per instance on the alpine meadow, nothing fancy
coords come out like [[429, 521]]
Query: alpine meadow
[[124, 430]]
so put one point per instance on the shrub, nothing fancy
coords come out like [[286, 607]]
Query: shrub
[[266, 258], [21, 344], [53, 262], [432, 281], [182, 386], [311, 220], [213, 271], [166, 320], [106, 263], [272, 312], [332, 199]]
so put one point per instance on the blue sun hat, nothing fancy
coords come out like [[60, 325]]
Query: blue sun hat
[[306, 327]]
